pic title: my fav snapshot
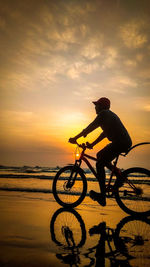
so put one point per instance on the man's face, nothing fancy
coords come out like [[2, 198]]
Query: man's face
[[98, 108]]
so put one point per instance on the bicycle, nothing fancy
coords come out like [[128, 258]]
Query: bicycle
[[131, 188]]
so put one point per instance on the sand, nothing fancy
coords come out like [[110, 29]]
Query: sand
[[26, 238]]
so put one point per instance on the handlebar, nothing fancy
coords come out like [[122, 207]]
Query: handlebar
[[83, 145]]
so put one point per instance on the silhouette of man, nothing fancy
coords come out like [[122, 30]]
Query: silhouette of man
[[115, 132]]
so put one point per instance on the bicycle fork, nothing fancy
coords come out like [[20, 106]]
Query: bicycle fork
[[73, 174]]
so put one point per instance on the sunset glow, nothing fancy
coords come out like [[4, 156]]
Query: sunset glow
[[59, 56]]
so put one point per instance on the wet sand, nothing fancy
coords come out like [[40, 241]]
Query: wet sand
[[36, 231]]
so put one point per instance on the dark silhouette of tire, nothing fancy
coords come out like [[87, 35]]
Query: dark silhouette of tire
[[79, 196], [128, 230], [79, 220], [132, 204]]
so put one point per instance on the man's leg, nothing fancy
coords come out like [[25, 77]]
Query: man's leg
[[101, 176], [100, 197], [104, 158]]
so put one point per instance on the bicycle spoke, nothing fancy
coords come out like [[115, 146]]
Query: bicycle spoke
[[135, 233], [68, 195], [134, 194], [67, 228], [69, 187]]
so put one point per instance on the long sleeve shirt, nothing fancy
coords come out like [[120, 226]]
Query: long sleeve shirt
[[112, 127]]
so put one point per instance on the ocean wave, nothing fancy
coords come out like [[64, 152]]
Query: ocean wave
[[26, 176], [32, 190], [49, 191], [38, 190]]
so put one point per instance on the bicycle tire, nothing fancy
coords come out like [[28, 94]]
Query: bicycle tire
[[132, 236], [129, 201], [73, 197], [58, 216]]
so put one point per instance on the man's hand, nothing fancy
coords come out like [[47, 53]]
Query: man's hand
[[72, 140], [89, 146]]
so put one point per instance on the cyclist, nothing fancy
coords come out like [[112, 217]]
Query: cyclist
[[115, 132]]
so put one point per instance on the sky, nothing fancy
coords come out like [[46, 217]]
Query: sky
[[56, 57]]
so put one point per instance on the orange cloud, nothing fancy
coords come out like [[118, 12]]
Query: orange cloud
[[132, 35]]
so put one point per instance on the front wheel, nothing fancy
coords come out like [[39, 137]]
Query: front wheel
[[69, 186], [133, 194]]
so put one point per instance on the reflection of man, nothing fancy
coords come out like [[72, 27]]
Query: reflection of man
[[102, 253], [115, 131], [72, 257], [100, 247]]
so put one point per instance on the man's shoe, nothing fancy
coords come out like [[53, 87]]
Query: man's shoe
[[97, 229], [98, 197], [119, 182]]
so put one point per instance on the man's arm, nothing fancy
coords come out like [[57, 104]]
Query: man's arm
[[92, 126], [74, 139], [100, 138]]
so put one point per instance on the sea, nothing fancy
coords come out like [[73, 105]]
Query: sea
[[39, 179], [32, 179]]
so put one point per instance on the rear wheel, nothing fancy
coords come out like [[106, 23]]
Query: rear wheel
[[69, 186], [133, 194]]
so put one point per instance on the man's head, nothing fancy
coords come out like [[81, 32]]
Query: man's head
[[101, 104]]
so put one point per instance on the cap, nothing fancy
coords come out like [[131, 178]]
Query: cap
[[103, 102]]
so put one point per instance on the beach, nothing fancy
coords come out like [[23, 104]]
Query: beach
[[36, 231]]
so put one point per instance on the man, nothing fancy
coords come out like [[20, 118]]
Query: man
[[114, 130]]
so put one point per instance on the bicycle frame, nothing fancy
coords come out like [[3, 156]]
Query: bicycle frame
[[114, 170], [84, 157]]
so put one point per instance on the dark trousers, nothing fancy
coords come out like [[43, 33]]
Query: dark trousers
[[104, 158]]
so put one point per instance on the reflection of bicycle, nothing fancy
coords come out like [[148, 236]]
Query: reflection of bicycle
[[110, 246], [65, 220], [68, 231], [131, 188], [135, 233], [129, 241]]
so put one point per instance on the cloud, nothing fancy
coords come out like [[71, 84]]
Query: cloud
[[116, 83], [80, 67], [142, 103], [58, 55], [72, 118], [66, 36], [126, 81], [109, 57], [132, 34], [130, 63], [147, 107], [16, 122], [92, 49], [2, 23], [86, 91]]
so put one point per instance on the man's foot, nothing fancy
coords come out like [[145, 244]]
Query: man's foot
[[97, 229], [98, 197], [119, 182]]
